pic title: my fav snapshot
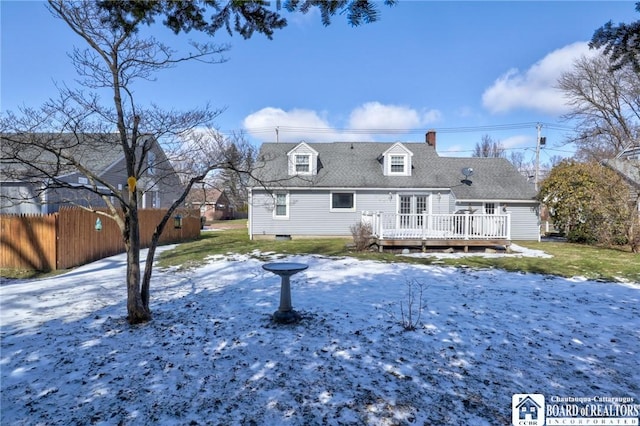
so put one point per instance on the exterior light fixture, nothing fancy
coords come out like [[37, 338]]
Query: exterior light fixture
[[98, 225], [177, 221]]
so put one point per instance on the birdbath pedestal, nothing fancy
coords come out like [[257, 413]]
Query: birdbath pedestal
[[285, 313]]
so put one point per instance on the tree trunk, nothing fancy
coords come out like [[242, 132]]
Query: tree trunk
[[137, 310], [146, 279]]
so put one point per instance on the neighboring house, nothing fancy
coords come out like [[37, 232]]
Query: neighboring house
[[627, 165], [406, 191], [213, 203], [33, 180]]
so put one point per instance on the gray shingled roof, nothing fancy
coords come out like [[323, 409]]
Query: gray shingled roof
[[357, 165], [21, 156]]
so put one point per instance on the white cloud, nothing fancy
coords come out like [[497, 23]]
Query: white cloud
[[374, 115], [301, 124], [535, 88], [293, 126]]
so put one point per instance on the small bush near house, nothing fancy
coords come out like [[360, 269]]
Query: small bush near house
[[361, 233]]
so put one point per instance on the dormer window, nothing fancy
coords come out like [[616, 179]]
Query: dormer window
[[398, 164], [397, 160], [302, 163], [302, 160]]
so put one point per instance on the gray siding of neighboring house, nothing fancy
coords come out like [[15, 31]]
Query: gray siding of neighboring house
[[18, 198], [168, 188], [159, 186], [59, 197]]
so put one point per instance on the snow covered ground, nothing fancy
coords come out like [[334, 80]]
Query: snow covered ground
[[212, 356]]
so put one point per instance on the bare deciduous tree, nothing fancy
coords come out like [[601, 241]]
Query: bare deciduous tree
[[487, 147], [57, 137], [235, 185], [605, 104]]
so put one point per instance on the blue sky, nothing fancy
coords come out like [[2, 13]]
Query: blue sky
[[465, 69]]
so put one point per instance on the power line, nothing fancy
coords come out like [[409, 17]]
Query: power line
[[410, 131]]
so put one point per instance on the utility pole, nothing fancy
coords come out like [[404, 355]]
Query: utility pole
[[537, 176]]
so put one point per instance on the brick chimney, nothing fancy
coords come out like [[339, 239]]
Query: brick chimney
[[431, 138]]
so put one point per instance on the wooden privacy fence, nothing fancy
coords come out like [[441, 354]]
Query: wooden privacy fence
[[69, 238]]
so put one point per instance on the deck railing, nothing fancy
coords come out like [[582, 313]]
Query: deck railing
[[424, 226]]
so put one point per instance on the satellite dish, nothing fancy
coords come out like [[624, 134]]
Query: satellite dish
[[467, 172]]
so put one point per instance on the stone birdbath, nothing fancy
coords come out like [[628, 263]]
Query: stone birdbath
[[285, 313]]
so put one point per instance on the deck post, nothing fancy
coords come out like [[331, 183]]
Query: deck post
[[466, 225], [508, 226], [424, 224]]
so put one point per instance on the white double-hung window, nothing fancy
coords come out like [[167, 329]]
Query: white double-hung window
[[397, 164], [281, 209], [302, 162]]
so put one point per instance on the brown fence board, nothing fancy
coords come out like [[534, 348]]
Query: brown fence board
[[80, 243], [28, 242], [68, 238]]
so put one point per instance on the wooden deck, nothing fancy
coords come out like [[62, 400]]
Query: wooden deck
[[444, 243], [440, 230]]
